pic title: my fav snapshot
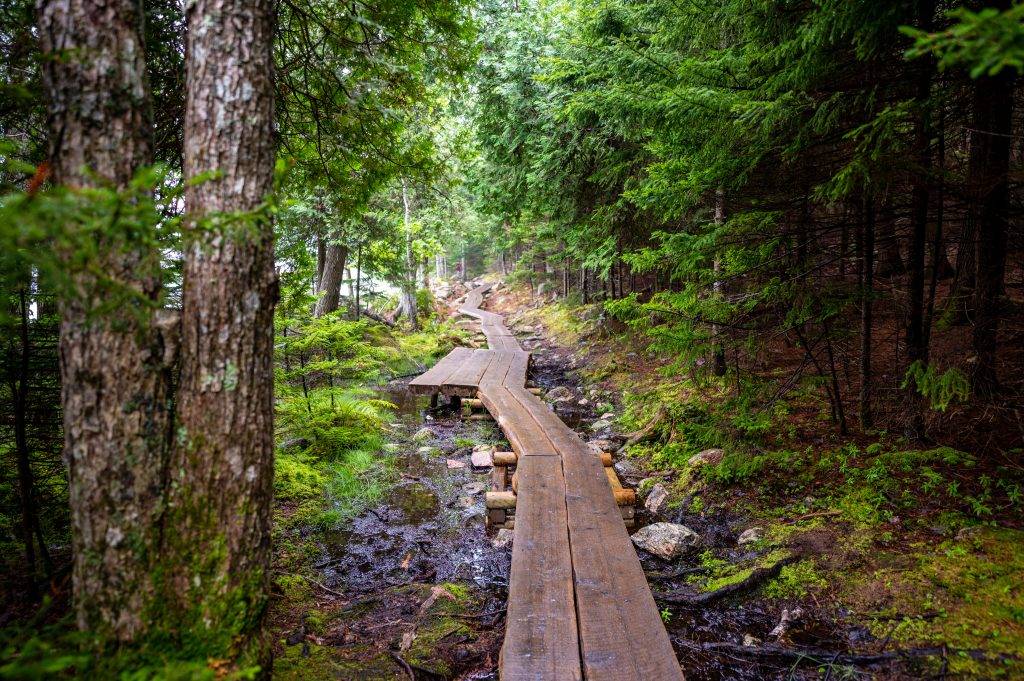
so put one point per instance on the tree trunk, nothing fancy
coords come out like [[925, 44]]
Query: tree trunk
[[223, 459], [867, 299], [917, 348], [19, 360], [719, 367], [330, 283], [989, 165], [359, 275], [408, 299], [891, 261], [321, 262], [113, 376]]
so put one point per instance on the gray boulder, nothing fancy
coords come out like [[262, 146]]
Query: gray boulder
[[626, 469], [559, 394], [600, 424], [423, 434], [502, 539], [666, 540], [709, 457], [657, 499], [749, 536]]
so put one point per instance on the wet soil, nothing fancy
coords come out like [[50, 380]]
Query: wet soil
[[412, 587], [733, 625]]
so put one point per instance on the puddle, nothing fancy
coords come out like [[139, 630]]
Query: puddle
[[427, 531]]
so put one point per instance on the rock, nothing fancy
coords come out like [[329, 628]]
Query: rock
[[502, 539], [452, 463], [466, 501], [295, 443], [709, 457], [526, 328], [751, 535], [608, 416], [626, 469], [481, 458], [474, 488], [583, 401], [604, 444], [645, 486], [423, 434], [750, 641], [559, 393], [657, 499], [666, 540], [600, 424], [789, 617], [425, 450]]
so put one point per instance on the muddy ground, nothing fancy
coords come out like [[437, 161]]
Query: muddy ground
[[413, 587]]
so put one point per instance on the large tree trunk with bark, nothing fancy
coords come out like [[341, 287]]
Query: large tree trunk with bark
[[408, 293], [989, 166], [333, 275], [916, 337], [113, 372], [222, 463]]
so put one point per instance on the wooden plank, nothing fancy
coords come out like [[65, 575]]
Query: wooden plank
[[496, 370], [541, 640], [621, 632], [431, 380], [520, 430], [604, 623], [464, 381]]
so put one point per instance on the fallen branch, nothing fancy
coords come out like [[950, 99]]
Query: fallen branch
[[754, 579], [366, 312], [818, 656], [649, 430], [808, 516]]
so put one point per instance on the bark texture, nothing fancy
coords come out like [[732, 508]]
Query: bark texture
[[113, 369], [335, 258], [989, 195], [222, 462]]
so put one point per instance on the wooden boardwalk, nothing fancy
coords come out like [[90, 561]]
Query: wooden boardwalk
[[579, 606]]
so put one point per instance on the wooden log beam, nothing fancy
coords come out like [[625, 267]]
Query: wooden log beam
[[503, 500]]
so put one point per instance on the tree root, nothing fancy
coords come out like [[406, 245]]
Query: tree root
[[756, 578], [649, 430], [818, 656]]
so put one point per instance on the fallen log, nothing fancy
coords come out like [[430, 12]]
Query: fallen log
[[754, 579], [819, 656], [649, 430]]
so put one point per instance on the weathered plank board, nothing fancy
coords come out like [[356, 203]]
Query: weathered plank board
[[541, 629], [434, 378], [464, 381], [579, 604]]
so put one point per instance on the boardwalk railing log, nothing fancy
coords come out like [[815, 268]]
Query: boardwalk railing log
[[579, 606]]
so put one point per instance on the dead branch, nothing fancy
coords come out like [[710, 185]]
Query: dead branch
[[754, 579]]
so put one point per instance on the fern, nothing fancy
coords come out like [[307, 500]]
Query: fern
[[940, 390]]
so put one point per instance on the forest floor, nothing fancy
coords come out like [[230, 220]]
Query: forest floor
[[405, 583], [882, 568], [895, 562]]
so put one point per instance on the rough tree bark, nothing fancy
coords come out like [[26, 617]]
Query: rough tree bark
[[408, 294], [917, 347], [330, 282], [113, 369], [989, 203], [866, 317], [222, 461], [718, 367]]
